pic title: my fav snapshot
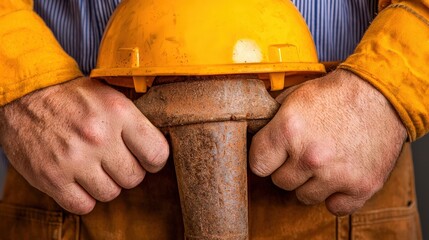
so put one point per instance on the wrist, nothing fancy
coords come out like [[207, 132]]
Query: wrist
[[368, 98]]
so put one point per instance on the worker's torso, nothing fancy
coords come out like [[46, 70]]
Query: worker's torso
[[152, 210]]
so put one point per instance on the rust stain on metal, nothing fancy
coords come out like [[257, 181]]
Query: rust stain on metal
[[207, 119], [209, 100], [210, 161]]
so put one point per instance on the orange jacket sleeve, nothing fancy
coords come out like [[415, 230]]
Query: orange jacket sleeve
[[394, 57], [30, 56]]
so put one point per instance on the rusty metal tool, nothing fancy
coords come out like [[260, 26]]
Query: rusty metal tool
[[207, 119]]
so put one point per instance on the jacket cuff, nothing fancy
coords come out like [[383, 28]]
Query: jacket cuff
[[30, 56], [393, 56]]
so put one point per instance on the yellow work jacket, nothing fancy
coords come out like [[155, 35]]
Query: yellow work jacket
[[392, 56]]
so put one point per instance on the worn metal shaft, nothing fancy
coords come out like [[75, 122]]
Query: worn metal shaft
[[210, 162], [207, 119]]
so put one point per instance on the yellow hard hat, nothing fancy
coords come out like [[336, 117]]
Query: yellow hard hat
[[148, 38]]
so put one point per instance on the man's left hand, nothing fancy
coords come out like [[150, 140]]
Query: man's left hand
[[335, 139]]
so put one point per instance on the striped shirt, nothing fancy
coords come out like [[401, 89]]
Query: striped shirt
[[78, 25], [336, 25]]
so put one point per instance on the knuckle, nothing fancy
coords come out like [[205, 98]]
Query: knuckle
[[365, 190], [82, 207], [109, 194], [257, 158], [119, 104], [93, 131], [51, 178], [364, 185], [338, 208], [132, 181], [302, 197], [345, 205], [312, 162], [343, 208], [267, 152], [259, 167], [282, 182], [74, 202], [158, 157], [316, 157], [306, 198], [292, 125]]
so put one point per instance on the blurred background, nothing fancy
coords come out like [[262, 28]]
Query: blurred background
[[421, 168], [3, 164], [421, 165]]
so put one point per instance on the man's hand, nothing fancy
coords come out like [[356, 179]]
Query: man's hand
[[79, 142], [335, 139]]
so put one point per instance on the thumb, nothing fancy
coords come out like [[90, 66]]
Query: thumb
[[268, 150], [280, 98], [145, 141]]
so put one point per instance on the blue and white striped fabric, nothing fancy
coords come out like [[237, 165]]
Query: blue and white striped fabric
[[78, 25], [336, 25]]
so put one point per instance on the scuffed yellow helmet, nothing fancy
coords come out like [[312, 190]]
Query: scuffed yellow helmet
[[148, 38]]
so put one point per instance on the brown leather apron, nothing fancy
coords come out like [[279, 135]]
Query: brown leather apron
[[152, 211]]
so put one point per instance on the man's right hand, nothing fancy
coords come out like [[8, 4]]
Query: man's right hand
[[79, 142]]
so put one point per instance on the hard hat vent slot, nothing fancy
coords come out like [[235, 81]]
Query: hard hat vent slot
[[129, 57]]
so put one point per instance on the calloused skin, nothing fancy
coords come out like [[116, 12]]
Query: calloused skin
[[335, 139], [79, 142]]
